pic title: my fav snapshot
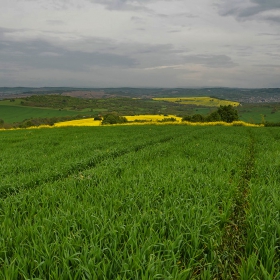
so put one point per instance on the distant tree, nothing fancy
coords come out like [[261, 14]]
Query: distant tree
[[113, 119], [97, 118], [197, 118], [1, 122], [213, 117], [228, 113], [187, 118], [168, 120]]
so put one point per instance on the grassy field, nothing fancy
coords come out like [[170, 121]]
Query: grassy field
[[199, 101], [12, 114], [60, 106], [259, 113], [140, 202]]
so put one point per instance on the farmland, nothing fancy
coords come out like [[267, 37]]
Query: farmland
[[14, 111], [140, 202], [59, 106], [199, 101], [149, 119]]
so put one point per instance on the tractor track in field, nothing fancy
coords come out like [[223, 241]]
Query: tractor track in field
[[79, 167], [5, 192], [233, 242]]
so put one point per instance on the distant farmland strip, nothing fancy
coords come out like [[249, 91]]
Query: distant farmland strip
[[199, 101], [12, 114]]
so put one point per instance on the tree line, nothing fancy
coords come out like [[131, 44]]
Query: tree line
[[225, 113]]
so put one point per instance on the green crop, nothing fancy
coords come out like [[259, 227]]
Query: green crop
[[143, 202]]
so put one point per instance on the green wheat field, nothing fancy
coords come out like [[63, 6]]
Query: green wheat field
[[140, 202]]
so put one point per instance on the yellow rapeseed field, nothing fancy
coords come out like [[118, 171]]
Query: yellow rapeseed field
[[235, 123], [82, 122], [151, 118], [199, 101]]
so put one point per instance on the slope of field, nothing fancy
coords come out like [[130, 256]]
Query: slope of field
[[12, 114], [258, 114], [199, 101], [140, 202]]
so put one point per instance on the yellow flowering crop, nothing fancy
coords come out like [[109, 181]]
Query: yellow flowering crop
[[82, 122], [151, 118], [235, 123]]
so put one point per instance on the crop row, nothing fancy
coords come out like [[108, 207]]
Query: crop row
[[156, 204], [42, 156], [262, 254]]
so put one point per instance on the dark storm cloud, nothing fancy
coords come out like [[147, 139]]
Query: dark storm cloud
[[250, 9], [42, 55]]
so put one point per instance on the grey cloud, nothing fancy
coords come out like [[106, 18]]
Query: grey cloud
[[275, 19], [273, 66], [188, 15], [265, 5], [212, 61], [89, 44], [109, 4], [134, 5], [148, 55], [178, 15], [136, 19], [5, 31], [55, 22], [55, 4], [250, 9], [154, 48], [275, 55], [268, 34], [163, 15], [42, 55], [174, 31]]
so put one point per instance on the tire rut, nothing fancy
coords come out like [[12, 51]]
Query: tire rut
[[79, 167], [232, 249]]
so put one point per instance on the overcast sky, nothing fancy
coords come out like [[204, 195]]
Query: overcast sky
[[140, 43]]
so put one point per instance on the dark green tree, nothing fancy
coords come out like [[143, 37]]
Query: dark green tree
[[113, 119], [97, 118], [187, 118], [197, 118], [213, 117], [228, 113]]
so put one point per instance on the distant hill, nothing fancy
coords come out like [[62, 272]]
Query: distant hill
[[264, 95]]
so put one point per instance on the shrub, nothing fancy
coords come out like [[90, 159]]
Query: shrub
[[113, 119]]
